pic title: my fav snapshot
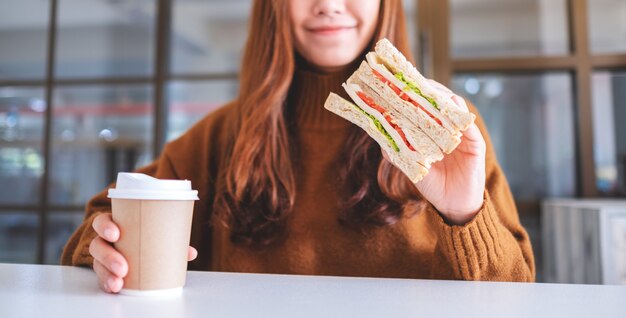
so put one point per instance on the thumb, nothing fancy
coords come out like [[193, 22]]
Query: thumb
[[192, 254]]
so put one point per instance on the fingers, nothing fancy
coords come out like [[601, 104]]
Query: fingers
[[109, 265], [473, 141], [456, 98], [193, 253], [105, 227], [472, 133], [110, 258], [460, 101], [107, 281], [440, 86]]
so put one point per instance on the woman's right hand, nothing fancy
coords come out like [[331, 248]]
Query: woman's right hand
[[110, 266]]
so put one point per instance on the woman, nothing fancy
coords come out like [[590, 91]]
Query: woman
[[288, 187]]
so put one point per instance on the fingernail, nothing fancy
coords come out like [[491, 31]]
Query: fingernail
[[111, 283], [108, 234], [116, 268]]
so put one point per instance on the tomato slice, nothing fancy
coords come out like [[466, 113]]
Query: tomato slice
[[370, 102], [404, 96]]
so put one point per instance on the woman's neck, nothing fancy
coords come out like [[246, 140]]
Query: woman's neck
[[305, 65], [309, 89]]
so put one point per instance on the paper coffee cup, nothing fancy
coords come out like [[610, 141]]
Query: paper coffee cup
[[154, 217]]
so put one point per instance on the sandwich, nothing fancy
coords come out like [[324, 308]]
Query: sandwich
[[377, 127], [415, 122]]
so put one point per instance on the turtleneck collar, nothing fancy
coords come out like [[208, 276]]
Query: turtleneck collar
[[308, 92]]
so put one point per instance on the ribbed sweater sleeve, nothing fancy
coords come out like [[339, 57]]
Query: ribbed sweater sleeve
[[493, 245], [483, 249]]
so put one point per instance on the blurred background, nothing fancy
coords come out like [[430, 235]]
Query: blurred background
[[92, 87]]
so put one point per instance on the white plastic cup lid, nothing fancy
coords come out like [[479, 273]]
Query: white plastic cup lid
[[139, 186]]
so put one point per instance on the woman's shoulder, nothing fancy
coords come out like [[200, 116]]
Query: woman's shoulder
[[196, 155], [214, 121], [213, 125], [205, 139]]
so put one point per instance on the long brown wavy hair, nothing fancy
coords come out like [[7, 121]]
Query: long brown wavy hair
[[256, 186]]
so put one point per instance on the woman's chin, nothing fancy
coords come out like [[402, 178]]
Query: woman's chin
[[333, 63]]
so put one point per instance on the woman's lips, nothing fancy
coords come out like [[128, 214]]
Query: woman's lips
[[330, 30]]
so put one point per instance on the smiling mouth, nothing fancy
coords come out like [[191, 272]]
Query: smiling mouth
[[330, 30]]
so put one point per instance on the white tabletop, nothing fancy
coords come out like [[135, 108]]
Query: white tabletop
[[59, 291]]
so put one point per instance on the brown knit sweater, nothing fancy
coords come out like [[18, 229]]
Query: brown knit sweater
[[493, 246]]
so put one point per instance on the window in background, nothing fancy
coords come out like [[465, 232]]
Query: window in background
[[609, 115], [410, 12], [97, 131], [530, 120], [208, 36], [191, 101], [497, 28], [98, 38], [60, 226], [18, 237], [21, 141], [607, 26], [23, 39]]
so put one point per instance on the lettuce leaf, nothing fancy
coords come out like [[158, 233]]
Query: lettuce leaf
[[380, 128], [411, 86]]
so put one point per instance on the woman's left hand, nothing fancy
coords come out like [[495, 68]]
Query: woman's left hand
[[455, 185]]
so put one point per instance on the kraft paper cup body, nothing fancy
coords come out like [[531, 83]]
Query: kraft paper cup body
[[154, 235]]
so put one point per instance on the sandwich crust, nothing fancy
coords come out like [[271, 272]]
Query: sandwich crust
[[395, 60]]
